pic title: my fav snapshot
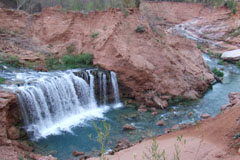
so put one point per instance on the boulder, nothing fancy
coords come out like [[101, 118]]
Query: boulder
[[77, 153], [234, 98], [128, 127], [233, 55], [205, 116], [122, 144], [160, 123], [13, 133]]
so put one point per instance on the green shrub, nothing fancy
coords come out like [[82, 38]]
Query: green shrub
[[217, 72], [140, 29], [220, 62], [94, 35], [70, 61], [75, 61], [12, 61], [232, 5], [238, 63], [214, 55], [53, 64], [2, 80]]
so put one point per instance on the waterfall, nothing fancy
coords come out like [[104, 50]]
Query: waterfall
[[104, 89], [100, 87], [115, 87], [57, 103]]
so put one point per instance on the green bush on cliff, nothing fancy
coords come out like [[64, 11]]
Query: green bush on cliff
[[2, 80], [70, 61], [53, 64], [75, 61], [11, 61], [217, 72], [140, 29]]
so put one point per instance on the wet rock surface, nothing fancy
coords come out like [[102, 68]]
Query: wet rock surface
[[128, 127], [205, 116], [160, 123], [122, 144]]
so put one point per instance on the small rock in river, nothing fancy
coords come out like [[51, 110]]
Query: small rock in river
[[128, 127], [160, 123], [76, 153], [205, 116]]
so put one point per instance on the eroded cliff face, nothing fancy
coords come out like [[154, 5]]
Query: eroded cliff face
[[152, 66]]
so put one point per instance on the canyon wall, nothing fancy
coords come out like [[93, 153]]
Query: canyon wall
[[152, 66]]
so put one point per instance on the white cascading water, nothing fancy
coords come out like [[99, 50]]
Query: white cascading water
[[58, 103], [104, 89], [115, 90], [100, 86], [115, 87]]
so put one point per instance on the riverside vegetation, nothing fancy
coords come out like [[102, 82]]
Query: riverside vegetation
[[70, 61]]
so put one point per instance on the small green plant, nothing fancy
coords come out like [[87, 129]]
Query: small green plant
[[237, 136], [238, 63], [3, 30], [214, 55], [220, 62], [154, 153], [232, 5], [2, 80], [53, 64], [102, 135], [217, 72], [12, 61], [140, 29], [94, 35], [124, 11], [182, 142], [71, 48], [21, 157]]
